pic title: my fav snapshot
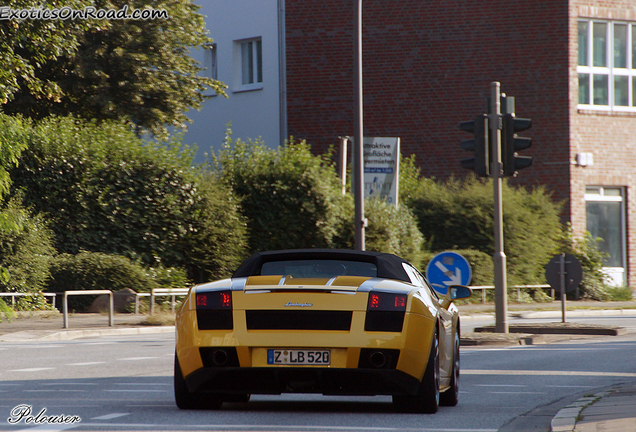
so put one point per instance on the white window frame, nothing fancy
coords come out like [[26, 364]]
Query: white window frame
[[617, 274], [609, 70], [255, 75]]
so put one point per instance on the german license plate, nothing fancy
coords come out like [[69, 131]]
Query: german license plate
[[298, 357]]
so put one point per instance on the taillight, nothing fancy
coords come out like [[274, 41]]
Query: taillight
[[214, 300], [385, 311], [386, 301], [214, 310]]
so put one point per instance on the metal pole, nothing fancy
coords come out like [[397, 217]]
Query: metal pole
[[343, 164], [499, 257], [111, 308], [65, 309], [562, 285], [358, 163]]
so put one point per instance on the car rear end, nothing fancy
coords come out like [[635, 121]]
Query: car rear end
[[273, 334]]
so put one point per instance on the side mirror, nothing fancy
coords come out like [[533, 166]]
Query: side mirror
[[456, 292]]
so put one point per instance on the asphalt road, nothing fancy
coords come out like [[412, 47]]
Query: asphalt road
[[124, 383]]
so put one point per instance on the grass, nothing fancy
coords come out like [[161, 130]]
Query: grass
[[159, 319]]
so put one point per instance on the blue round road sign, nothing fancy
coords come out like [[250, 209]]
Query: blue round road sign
[[446, 269]]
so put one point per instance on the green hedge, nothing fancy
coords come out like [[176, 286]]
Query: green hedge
[[103, 189], [99, 271], [458, 214], [289, 197]]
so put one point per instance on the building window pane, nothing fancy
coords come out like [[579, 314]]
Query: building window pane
[[210, 61], [621, 90], [634, 90], [604, 222], [583, 43], [600, 44], [600, 90], [247, 63], [620, 46], [584, 89], [633, 46], [259, 61]]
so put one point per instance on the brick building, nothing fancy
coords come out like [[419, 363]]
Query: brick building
[[571, 65]]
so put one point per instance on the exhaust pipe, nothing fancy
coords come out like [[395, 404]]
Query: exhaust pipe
[[220, 357], [377, 359]]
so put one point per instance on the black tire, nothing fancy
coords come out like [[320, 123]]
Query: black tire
[[427, 399], [187, 400], [237, 398], [450, 397]]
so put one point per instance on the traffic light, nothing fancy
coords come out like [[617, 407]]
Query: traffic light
[[480, 145], [511, 143]]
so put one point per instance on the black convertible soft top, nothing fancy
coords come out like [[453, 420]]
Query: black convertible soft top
[[389, 266]]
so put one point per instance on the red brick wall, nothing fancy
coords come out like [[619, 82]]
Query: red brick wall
[[428, 65], [610, 137]]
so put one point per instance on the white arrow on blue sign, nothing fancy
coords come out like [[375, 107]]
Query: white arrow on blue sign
[[446, 269]]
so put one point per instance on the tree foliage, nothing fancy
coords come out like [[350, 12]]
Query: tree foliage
[[459, 215], [25, 252], [104, 190], [393, 230], [290, 198], [140, 71]]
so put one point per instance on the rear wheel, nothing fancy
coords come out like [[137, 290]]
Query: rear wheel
[[187, 400], [427, 398], [450, 397]]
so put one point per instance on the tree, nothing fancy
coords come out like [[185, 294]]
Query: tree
[[136, 70]]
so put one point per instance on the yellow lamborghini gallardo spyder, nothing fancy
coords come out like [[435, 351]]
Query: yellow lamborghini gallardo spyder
[[335, 322]]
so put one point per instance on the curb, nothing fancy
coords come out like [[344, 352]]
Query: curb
[[565, 420], [82, 333]]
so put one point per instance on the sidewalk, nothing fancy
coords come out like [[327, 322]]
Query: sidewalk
[[612, 410], [49, 325]]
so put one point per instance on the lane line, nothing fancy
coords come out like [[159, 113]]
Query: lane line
[[31, 369], [85, 364], [550, 373], [110, 416]]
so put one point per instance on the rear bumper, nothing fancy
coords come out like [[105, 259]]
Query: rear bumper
[[277, 380]]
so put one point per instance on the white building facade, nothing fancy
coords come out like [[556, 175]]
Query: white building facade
[[248, 55]]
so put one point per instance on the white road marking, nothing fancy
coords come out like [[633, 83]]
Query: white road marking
[[51, 428], [138, 358], [31, 369], [85, 364], [110, 416], [550, 373], [137, 391]]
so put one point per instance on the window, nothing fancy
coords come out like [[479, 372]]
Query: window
[[607, 65], [210, 61], [319, 268], [605, 221], [249, 53]]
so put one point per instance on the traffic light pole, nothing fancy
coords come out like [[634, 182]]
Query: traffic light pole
[[358, 140], [499, 257]]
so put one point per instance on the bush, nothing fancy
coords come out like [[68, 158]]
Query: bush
[[25, 252], [289, 197], [99, 271], [594, 284], [393, 230], [217, 242], [459, 215], [105, 190]]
